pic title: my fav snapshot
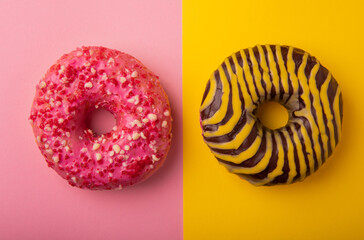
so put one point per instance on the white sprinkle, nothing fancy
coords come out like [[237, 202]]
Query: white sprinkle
[[84, 150], [58, 103], [111, 153], [104, 77], [110, 174], [122, 79], [61, 120], [42, 84], [61, 70], [46, 145], [48, 128], [111, 60], [136, 101], [98, 156], [139, 109], [142, 135], [104, 140], [88, 85], [136, 135], [136, 122], [95, 146], [115, 128], [93, 70], [120, 187], [110, 160], [55, 159], [64, 142], [129, 137], [126, 147], [79, 137], [145, 120], [116, 148], [79, 54], [155, 158], [124, 164], [152, 116], [131, 100], [151, 166], [44, 139], [49, 151], [134, 74], [66, 148], [166, 113], [38, 139], [122, 151], [91, 51], [68, 134], [74, 179], [164, 124], [108, 92], [64, 80], [87, 64]]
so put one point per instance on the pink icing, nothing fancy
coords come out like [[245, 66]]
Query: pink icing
[[97, 77]]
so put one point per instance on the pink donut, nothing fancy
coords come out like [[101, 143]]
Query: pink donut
[[97, 77]]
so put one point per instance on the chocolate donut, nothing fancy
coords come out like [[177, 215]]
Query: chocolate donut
[[291, 77]]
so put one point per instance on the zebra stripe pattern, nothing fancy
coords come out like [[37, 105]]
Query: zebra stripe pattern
[[295, 79]]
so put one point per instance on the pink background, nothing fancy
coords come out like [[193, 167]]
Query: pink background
[[35, 203]]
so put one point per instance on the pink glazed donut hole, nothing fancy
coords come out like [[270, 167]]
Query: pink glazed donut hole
[[91, 78]]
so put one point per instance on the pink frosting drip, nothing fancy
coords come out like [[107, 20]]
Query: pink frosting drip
[[97, 77]]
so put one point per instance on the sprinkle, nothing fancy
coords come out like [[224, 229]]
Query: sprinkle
[[111, 153], [95, 146], [152, 116], [166, 113], [136, 99], [115, 128], [131, 100], [79, 54], [38, 139], [87, 64], [42, 84], [110, 174], [108, 92], [61, 70], [126, 147], [98, 156], [136, 135], [104, 77], [129, 137], [48, 128], [104, 140], [122, 79], [145, 120], [74, 179], [55, 159], [124, 164], [49, 151], [68, 134], [111, 60], [164, 124], [64, 142], [58, 103], [91, 51], [142, 135], [61, 120], [116, 148], [120, 187], [155, 158], [93, 70], [110, 160], [67, 148], [84, 150], [136, 122], [139, 109], [134, 74], [88, 85]]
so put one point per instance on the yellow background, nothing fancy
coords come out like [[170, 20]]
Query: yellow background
[[328, 204]]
